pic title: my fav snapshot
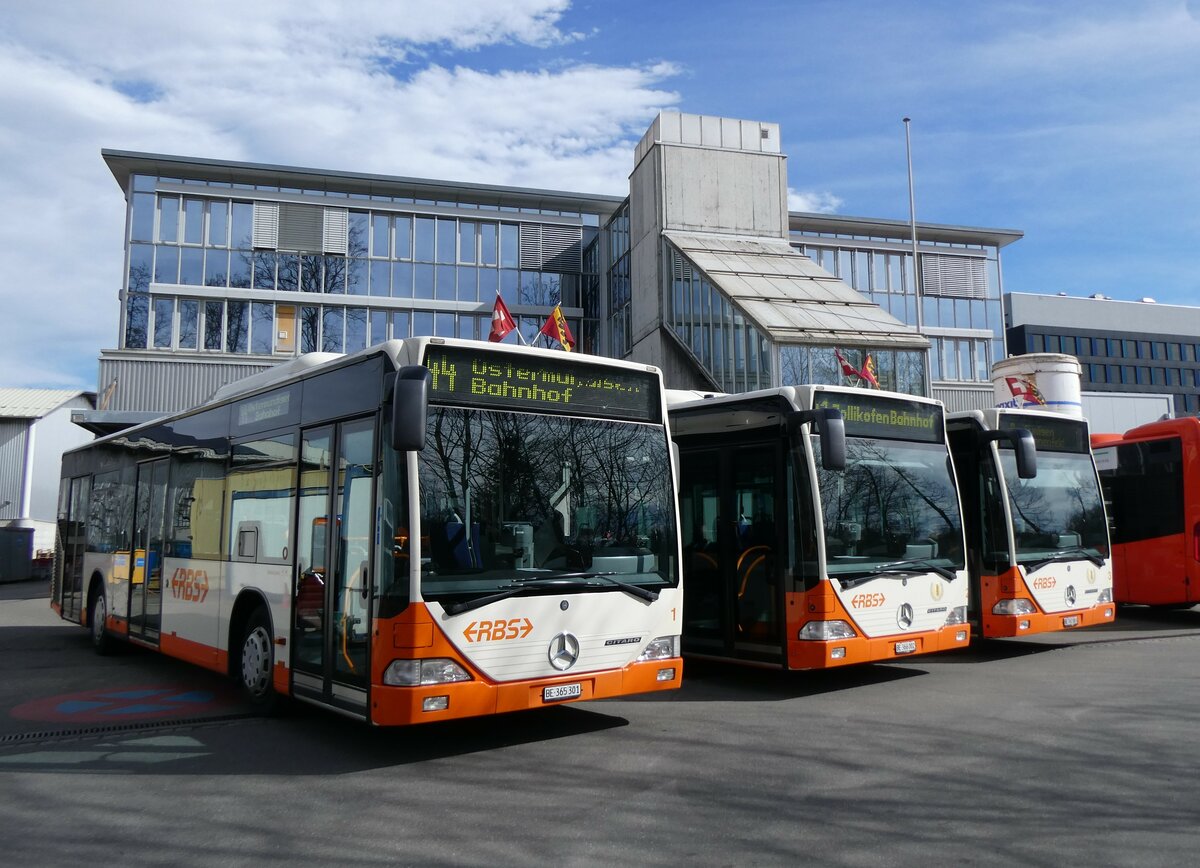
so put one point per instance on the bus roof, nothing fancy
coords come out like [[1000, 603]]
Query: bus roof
[[397, 352]]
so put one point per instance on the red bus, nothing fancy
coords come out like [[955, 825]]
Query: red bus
[[1151, 480]]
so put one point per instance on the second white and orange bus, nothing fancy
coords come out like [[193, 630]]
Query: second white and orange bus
[[821, 527]]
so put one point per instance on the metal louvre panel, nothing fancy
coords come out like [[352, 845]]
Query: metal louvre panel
[[964, 397], [551, 248], [14, 435], [530, 245], [301, 227], [266, 225], [953, 276], [562, 248], [337, 230], [680, 267], [164, 385]]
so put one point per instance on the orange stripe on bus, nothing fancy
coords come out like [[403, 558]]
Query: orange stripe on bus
[[391, 706], [821, 603]]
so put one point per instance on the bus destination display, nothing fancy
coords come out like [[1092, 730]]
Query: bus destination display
[[540, 385], [889, 418], [1050, 435]]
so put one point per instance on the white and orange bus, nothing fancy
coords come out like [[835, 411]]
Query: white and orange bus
[[1037, 541], [821, 526], [424, 530], [1151, 480]]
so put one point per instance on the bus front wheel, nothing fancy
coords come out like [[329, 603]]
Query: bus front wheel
[[256, 662], [97, 616]]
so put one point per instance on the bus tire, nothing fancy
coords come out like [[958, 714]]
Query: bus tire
[[102, 643], [255, 669]]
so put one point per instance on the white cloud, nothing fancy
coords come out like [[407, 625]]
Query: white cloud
[[813, 202], [385, 87]]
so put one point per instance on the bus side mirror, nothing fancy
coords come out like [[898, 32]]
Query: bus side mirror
[[1026, 453], [1024, 449], [832, 429], [410, 406]]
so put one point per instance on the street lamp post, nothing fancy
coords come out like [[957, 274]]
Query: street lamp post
[[912, 220]]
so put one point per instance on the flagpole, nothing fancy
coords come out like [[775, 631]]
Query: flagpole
[[912, 220]]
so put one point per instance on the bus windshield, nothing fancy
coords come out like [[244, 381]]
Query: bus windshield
[[512, 497], [1057, 512], [893, 506]]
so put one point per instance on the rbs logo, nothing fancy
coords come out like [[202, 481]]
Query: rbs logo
[[1045, 582], [867, 601], [494, 631], [189, 585]]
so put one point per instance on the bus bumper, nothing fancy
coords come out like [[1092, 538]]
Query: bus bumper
[[826, 654], [1008, 626], [397, 706]]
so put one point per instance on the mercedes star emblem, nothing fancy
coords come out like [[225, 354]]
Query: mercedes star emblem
[[564, 651], [1070, 595], [905, 616]]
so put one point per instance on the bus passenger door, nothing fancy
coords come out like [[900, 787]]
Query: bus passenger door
[[72, 536], [756, 475], [145, 589], [332, 593], [704, 600], [733, 555]]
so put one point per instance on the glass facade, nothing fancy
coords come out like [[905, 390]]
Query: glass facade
[[740, 358], [896, 370], [620, 286], [185, 252], [961, 312], [735, 354], [224, 267]]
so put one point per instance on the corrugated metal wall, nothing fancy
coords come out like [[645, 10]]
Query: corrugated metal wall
[[165, 386], [964, 397], [13, 435]]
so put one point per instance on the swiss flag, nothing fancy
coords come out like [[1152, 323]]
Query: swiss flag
[[502, 321], [848, 369]]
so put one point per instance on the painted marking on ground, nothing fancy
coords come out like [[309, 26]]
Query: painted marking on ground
[[133, 703]]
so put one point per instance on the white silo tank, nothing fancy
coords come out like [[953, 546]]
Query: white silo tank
[[1039, 381]]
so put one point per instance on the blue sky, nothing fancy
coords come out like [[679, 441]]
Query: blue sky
[[1077, 123]]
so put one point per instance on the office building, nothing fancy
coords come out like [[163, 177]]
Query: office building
[[1135, 347], [232, 267]]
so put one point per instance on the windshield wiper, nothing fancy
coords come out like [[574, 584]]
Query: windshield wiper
[[571, 581], [1073, 553], [910, 567]]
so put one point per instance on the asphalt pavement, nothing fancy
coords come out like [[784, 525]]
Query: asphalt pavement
[[1067, 749]]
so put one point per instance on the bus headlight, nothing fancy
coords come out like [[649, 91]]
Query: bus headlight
[[1013, 607], [958, 615], [413, 673], [1105, 596], [661, 648], [820, 631]]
